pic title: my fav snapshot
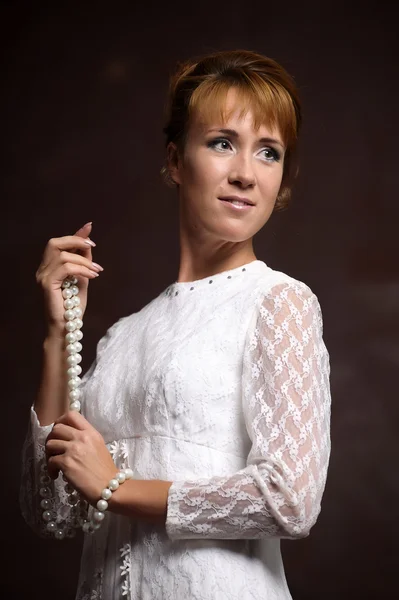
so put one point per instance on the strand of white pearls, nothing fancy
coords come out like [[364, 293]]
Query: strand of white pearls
[[102, 505], [73, 326]]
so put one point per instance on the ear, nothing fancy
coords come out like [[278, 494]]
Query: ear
[[173, 162]]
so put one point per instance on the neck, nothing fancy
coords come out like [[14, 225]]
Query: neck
[[200, 259]]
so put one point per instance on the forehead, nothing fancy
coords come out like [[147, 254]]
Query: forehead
[[232, 113]]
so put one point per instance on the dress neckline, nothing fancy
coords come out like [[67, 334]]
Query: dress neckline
[[212, 281]]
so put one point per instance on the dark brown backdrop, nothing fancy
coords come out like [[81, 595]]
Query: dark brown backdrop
[[83, 93]]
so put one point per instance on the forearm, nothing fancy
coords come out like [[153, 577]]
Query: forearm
[[142, 499], [52, 397]]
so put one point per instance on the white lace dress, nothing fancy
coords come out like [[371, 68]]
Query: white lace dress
[[220, 385]]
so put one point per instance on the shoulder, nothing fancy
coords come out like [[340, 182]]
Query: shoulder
[[279, 293], [279, 284]]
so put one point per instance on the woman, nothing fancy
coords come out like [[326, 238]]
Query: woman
[[216, 394]]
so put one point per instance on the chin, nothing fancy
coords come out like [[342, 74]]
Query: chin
[[232, 234]]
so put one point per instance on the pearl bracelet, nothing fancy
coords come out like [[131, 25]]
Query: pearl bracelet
[[98, 514]]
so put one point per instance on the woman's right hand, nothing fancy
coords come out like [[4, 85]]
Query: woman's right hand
[[63, 257]]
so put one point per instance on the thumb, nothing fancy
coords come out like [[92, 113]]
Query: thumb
[[85, 230]]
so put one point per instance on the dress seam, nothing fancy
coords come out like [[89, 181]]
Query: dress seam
[[159, 435]]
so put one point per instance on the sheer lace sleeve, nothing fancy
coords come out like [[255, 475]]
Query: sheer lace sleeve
[[33, 457], [286, 403]]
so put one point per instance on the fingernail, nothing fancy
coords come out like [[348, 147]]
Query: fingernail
[[89, 223], [90, 242], [94, 273], [97, 266]]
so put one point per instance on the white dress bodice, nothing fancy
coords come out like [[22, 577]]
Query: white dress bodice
[[220, 386]]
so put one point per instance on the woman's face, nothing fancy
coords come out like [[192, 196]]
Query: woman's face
[[217, 164]]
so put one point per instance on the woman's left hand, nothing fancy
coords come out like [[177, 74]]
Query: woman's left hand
[[79, 451]]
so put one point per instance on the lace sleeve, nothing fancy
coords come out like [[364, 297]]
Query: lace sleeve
[[33, 457], [286, 403], [33, 479]]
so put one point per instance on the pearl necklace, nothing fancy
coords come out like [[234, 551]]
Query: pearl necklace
[[79, 507]]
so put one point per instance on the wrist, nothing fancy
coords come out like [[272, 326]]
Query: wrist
[[142, 499], [123, 496], [54, 341], [106, 500]]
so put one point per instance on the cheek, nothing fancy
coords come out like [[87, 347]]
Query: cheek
[[273, 181], [203, 172], [279, 179]]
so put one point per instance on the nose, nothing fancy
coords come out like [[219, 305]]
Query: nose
[[242, 171]]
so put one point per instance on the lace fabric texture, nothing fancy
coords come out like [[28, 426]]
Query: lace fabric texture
[[286, 403], [222, 387], [34, 458]]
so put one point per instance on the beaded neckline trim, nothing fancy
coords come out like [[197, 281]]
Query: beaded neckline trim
[[255, 266]]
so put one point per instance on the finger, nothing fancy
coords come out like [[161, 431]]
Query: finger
[[74, 419], [69, 257], [55, 465], [84, 232], [55, 447], [66, 270], [62, 432], [66, 256], [67, 242]]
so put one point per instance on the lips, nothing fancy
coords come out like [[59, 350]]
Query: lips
[[238, 198]]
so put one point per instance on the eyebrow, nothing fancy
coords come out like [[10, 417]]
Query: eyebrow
[[235, 134]]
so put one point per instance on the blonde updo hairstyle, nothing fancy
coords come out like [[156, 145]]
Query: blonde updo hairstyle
[[200, 85]]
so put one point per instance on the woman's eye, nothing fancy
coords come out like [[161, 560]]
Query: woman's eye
[[271, 154], [219, 142]]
